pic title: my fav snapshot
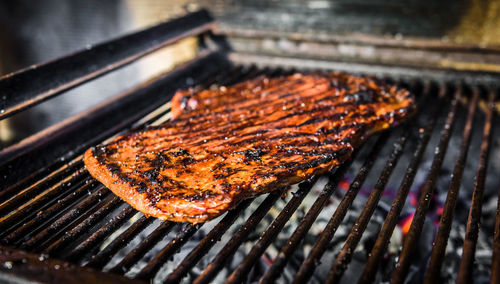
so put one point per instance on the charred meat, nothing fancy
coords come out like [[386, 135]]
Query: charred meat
[[236, 142]]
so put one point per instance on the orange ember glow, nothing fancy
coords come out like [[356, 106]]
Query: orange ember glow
[[344, 184], [406, 223]]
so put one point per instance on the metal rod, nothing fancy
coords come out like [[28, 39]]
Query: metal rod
[[65, 219], [45, 178], [53, 210], [439, 245], [392, 218], [146, 245], [495, 259], [84, 224], [213, 268], [208, 241], [99, 260], [312, 214], [92, 62], [224, 76], [100, 234], [40, 198], [344, 257], [427, 191], [36, 203], [271, 232], [305, 224], [149, 271], [473, 221]]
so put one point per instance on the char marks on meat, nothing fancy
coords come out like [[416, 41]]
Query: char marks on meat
[[236, 142]]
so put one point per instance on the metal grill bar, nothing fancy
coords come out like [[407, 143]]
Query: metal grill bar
[[40, 199], [84, 205], [93, 62], [100, 234], [495, 259], [472, 231], [344, 257], [155, 264], [204, 246], [146, 245], [106, 206], [45, 180], [423, 204], [298, 235], [99, 260], [38, 202], [271, 232], [58, 207], [213, 268], [443, 233], [392, 218]]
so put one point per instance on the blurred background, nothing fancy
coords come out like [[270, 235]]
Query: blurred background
[[32, 32]]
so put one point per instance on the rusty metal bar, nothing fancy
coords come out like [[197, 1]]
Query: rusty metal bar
[[36, 203], [68, 217], [392, 218], [149, 271], [137, 253], [44, 180], [24, 267], [441, 240], [337, 216], [344, 257], [106, 206], [272, 231], [100, 234], [208, 241], [213, 268], [473, 221], [495, 259], [427, 191], [99, 260], [305, 224], [56, 208], [92, 62], [40, 198]]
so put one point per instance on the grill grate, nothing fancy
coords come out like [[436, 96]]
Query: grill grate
[[68, 215], [62, 212]]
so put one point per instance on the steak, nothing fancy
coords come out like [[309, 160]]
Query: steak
[[230, 143]]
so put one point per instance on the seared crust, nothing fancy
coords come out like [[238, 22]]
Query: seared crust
[[237, 142]]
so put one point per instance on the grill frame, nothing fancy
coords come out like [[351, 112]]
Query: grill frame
[[204, 69]]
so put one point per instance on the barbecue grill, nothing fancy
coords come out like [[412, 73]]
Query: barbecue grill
[[414, 203]]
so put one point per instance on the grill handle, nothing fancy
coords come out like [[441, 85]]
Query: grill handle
[[28, 87]]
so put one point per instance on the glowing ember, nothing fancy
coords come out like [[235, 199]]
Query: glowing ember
[[405, 223]]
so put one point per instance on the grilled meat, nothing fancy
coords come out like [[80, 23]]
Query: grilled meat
[[237, 142]]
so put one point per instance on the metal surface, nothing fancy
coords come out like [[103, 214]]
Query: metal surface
[[398, 203], [473, 220], [425, 199], [443, 234], [23, 267], [52, 78]]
